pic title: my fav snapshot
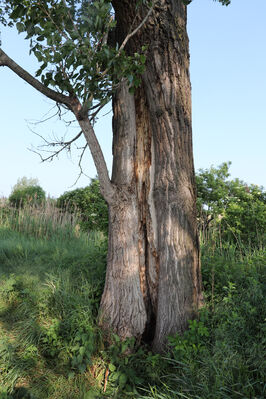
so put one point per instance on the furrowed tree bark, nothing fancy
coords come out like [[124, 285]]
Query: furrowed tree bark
[[169, 267]]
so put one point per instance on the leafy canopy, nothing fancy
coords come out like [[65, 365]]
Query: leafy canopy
[[27, 196], [26, 191], [70, 40]]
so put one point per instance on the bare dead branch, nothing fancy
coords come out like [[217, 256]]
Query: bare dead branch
[[94, 114], [81, 173], [64, 145], [107, 113], [38, 122]]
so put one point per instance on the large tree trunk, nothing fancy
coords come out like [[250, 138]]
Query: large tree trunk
[[160, 274]]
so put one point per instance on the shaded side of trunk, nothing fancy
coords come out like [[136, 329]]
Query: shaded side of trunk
[[165, 171]]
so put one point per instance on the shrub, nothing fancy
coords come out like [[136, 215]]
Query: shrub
[[31, 195], [231, 209], [89, 204]]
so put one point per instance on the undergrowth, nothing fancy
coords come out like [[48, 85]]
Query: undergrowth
[[51, 346]]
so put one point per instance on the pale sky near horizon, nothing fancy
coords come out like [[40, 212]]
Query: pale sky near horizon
[[228, 76]]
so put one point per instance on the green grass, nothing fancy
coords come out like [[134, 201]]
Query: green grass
[[51, 280], [49, 295]]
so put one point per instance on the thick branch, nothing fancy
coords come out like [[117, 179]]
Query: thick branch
[[107, 188], [5, 60]]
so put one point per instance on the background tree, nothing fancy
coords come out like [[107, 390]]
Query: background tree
[[88, 55]]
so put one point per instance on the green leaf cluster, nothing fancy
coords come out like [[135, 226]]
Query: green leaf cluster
[[224, 2], [192, 343], [130, 365]]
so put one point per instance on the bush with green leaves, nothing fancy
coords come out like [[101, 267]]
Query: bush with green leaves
[[32, 195], [229, 210], [26, 191], [232, 209], [89, 204]]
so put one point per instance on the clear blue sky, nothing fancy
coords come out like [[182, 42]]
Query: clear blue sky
[[228, 75]]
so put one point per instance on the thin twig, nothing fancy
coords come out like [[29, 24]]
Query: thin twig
[[64, 145], [80, 165]]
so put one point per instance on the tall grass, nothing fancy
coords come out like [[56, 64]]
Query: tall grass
[[44, 221]]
